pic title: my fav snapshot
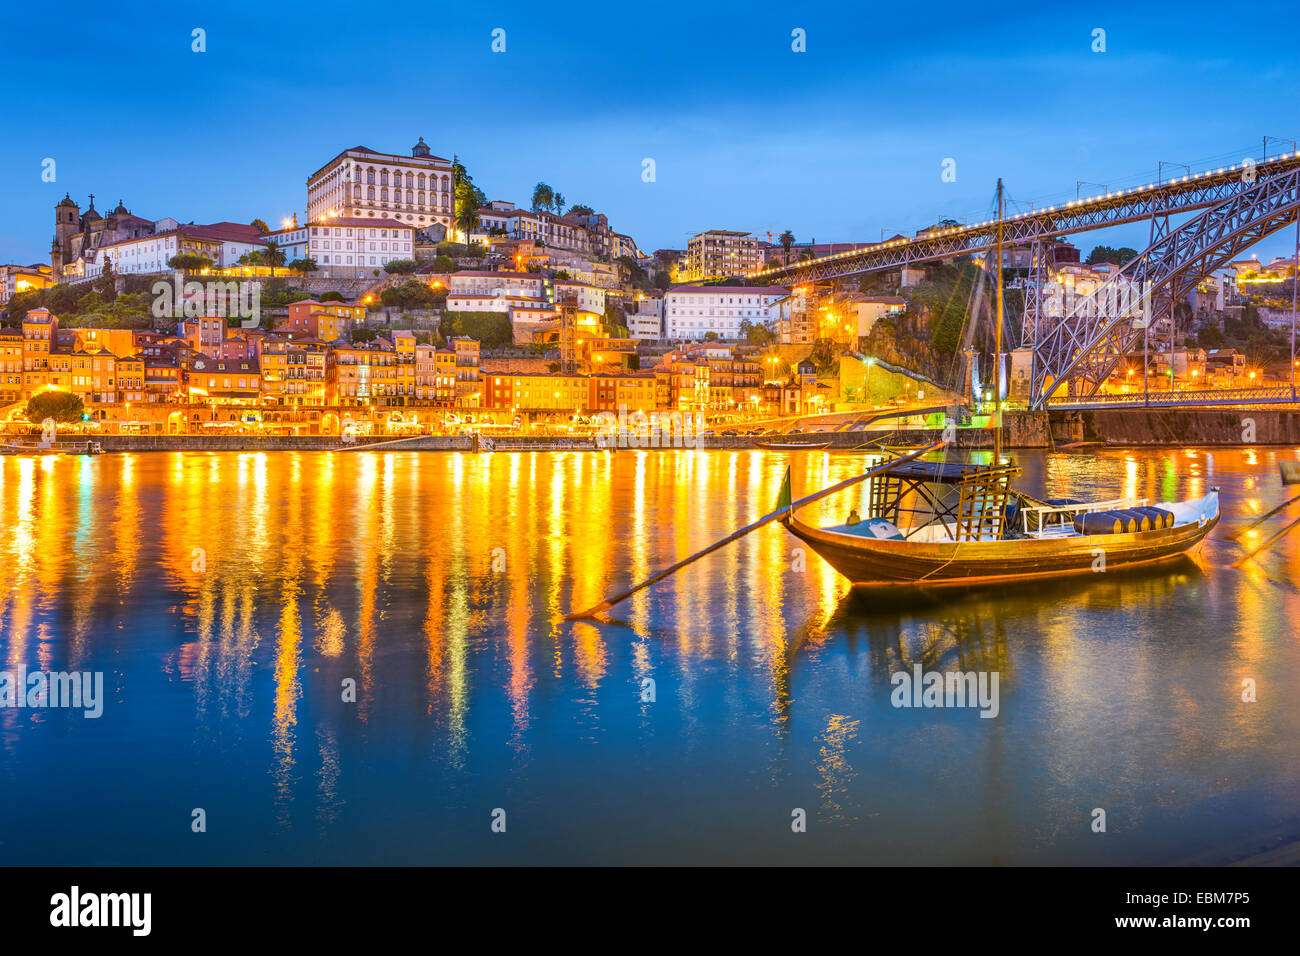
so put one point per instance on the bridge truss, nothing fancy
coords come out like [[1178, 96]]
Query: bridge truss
[[1083, 348]]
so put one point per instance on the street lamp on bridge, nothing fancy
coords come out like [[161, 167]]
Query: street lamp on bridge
[[1277, 139], [1160, 170]]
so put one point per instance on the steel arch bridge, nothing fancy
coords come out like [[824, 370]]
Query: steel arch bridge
[[1082, 349]]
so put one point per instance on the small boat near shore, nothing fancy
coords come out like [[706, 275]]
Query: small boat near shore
[[791, 446], [51, 448]]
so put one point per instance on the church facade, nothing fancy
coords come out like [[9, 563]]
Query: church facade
[[79, 236]]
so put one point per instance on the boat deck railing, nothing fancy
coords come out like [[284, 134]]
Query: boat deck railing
[[1065, 515]]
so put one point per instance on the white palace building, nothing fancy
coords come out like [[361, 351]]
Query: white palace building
[[360, 183]]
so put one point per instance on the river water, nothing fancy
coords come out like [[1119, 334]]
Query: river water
[[231, 600]]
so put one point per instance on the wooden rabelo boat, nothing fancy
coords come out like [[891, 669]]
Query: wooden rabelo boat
[[941, 522]]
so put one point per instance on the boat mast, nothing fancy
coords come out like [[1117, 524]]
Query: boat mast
[[997, 345]]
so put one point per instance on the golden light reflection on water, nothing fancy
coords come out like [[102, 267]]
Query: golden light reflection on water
[[435, 580], [835, 773]]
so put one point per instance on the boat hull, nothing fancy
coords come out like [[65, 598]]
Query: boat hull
[[870, 561], [791, 446]]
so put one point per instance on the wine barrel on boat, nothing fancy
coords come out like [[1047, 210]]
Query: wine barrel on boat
[[1123, 521], [1145, 520], [1100, 522], [1160, 517]]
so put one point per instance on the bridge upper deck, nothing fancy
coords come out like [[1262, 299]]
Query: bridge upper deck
[[1182, 194]]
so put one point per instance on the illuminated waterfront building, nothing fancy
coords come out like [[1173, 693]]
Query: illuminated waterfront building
[[799, 394], [293, 371], [688, 381], [634, 391], [162, 379], [92, 375], [131, 379], [11, 366], [435, 376], [40, 340], [469, 382], [358, 374], [551, 392], [388, 373], [712, 377], [538, 392], [224, 381]]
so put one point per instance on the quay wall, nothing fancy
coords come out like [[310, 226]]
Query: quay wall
[[1180, 426], [1023, 430]]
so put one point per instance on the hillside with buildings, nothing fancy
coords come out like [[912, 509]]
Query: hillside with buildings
[[405, 296]]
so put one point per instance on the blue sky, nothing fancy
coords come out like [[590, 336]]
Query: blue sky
[[838, 143]]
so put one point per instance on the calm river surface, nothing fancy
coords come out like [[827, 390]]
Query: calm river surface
[[227, 598]]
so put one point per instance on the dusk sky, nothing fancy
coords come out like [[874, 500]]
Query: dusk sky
[[838, 143]]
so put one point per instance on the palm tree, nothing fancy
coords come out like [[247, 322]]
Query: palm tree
[[467, 217], [273, 255], [787, 240], [559, 204]]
